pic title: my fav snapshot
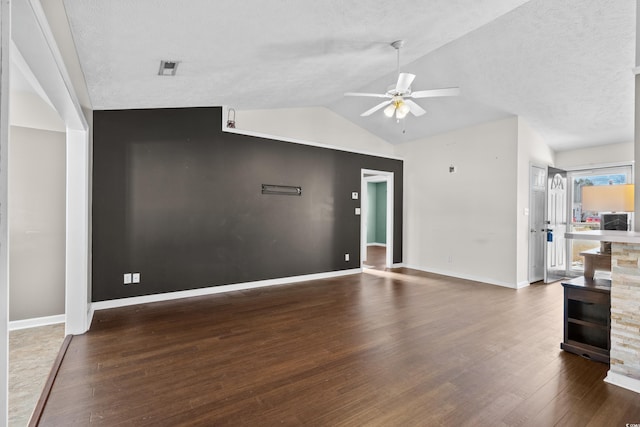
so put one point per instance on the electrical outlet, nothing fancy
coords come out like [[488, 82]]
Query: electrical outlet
[[127, 278], [135, 277], [357, 211], [346, 257], [354, 195]]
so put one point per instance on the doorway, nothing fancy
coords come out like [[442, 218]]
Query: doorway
[[537, 226], [376, 219], [556, 225]]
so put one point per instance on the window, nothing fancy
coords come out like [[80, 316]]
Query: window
[[584, 220]]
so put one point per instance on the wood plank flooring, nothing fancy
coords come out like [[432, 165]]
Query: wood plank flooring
[[376, 257], [383, 348]]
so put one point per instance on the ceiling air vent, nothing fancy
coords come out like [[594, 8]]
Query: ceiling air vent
[[168, 68]]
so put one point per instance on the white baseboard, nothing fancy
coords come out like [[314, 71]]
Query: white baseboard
[[522, 284], [384, 245], [464, 276], [15, 325], [398, 265], [123, 302], [90, 316], [623, 381]]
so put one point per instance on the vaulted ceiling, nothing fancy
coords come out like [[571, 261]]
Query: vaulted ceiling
[[564, 66]]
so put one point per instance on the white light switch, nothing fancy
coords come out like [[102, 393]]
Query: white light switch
[[354, 195], [127, 278], [346, 257], [135, 277], [357, 211]]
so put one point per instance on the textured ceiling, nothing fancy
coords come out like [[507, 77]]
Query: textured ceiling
[[564, 66]]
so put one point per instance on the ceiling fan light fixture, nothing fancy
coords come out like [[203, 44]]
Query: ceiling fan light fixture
[[396, 94], [402, 110], [390, 110]]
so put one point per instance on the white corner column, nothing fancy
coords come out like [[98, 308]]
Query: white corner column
[[636, 145], [5, 31], [77, 243]]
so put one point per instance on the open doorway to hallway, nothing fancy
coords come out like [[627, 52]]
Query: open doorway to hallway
[[377, 219], [36, 188]]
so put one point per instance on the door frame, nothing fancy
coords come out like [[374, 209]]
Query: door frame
[[32, 37], [567, 217], [376, 176], [531, 216]]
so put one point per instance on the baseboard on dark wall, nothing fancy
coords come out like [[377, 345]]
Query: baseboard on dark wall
[[123, 302]]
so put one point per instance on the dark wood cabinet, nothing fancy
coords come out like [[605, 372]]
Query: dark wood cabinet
[[587, 318]]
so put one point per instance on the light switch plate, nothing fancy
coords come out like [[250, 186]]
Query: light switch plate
[[135, 277], [357, 211], [127, 278], [354, 195]]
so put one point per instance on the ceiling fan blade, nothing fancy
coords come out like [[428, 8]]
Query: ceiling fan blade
[[404, 81], [376, 108], [415, 109], [432, 93], [374, 95]]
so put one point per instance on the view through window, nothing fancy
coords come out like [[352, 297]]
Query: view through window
[[582, 220]]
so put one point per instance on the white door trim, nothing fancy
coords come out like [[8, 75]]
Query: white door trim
[[379, 176]]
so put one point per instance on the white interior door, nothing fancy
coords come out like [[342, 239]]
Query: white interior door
[[537, 226]]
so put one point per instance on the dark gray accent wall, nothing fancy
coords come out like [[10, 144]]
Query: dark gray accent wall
[[179, 201]]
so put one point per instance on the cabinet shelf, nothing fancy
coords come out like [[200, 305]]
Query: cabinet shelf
[[587, 318], [587, 323]]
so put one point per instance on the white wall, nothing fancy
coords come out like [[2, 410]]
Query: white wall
[[57, 18], [314, 124], [463, 224], [36, 223], [531, 150], [593, 156]]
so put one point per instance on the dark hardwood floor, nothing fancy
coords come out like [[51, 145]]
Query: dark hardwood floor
[[396, 348], [376, 257]]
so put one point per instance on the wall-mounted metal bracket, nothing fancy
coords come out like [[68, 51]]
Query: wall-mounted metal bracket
[[284, 190]]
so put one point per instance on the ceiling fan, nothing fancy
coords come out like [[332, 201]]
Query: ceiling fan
[[398, 101]]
